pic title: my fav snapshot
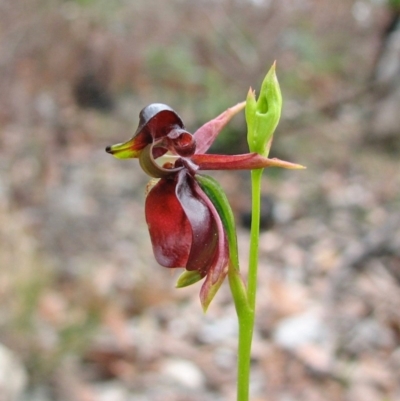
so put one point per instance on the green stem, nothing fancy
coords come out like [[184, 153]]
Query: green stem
[[246, 324], [256, 176], [245, 303]]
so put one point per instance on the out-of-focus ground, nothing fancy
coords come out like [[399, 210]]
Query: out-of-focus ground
[[86, 313]]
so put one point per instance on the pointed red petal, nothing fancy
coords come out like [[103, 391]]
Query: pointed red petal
[[206, 134], [248, 161], [209, 289]]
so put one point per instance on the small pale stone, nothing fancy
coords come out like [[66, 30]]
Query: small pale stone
[[13, 377], [111, 391], [305, 328], [183, 372]]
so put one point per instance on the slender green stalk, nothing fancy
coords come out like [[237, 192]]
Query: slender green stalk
[[246, 321], [245, 308], [256, 176], [246, 324]]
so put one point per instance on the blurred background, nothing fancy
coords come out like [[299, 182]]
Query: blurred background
[[86, 313]]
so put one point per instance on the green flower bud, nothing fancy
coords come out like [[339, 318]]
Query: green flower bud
[[262, 115]]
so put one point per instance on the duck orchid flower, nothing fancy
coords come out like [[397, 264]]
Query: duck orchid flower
[[185, 227]]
